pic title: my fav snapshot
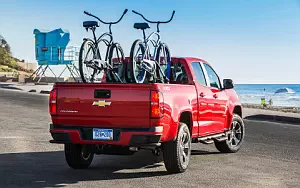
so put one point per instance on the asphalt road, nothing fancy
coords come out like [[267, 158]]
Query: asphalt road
[[270, 156]]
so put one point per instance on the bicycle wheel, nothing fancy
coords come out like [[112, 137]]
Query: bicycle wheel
[[116, 60], [163, 59], [87, 53], [135, 71]]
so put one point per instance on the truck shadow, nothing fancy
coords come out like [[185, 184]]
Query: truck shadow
[[49, 169], [202, 152], [274, 118]]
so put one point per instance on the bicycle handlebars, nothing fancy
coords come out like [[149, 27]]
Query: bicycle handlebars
[[157, 22], [89, 14]]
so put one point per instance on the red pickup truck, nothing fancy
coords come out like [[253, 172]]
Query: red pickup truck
[[106, 118]]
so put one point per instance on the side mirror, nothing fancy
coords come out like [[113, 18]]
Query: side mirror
[[228, 84]]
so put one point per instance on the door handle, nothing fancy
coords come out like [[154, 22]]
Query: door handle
[[215, 96], [202, 94]]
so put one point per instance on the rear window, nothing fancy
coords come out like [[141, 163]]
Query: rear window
[[178, 75]]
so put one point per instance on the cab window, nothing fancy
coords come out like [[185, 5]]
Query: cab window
[[199, 73], [213, 77]]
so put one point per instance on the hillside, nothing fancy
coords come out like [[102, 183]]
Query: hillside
[[8, 63]]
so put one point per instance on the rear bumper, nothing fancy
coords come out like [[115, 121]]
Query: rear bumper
[[122, 136]]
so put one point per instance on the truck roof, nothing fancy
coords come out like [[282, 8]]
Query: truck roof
[[175, 59], [188, 59]]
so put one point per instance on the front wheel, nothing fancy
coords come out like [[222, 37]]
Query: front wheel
[[79, 156], [116, 60], [136, 73], [163, 58], [87, 54], [235, 136], [177, 153]]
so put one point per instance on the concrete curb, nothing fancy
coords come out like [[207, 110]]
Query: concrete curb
[[274, 118]]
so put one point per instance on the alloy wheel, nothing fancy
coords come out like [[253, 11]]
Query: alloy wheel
[[235, 136]]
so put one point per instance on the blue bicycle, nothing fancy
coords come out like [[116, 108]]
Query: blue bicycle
[[144, 66]]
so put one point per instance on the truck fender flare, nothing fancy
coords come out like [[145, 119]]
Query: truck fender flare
[[184, 110], [236, 108]]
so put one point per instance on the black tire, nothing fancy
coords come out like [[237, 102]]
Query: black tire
[[116, 52], [87, 74], [162, 60], [176, 155], [78, 156], [131, 74], [235, 136]]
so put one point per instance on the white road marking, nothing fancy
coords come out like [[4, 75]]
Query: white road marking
[[11, 137]]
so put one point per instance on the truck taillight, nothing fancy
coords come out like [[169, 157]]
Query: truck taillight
[[53, 102], [156, 104]]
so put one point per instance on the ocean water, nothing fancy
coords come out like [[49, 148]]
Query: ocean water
[[252, 93]]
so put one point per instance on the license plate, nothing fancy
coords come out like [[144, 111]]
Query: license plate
[[103, 134]]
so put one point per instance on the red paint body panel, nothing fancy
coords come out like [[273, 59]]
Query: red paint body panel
[[130, 105], [131, 108]]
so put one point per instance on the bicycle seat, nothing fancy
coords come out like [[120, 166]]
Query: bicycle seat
[[88, 24], [141, 26]]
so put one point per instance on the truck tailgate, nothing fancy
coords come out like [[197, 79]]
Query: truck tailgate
[[103, 105]]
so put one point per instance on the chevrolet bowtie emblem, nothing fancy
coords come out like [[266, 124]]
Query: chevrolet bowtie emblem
[[102, 103]]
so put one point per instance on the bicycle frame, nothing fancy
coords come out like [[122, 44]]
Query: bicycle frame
[[101, 38], [155, 43], [108, 42], [149, 66], [107, 39]]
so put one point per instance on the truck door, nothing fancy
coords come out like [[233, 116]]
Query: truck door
[[219, 99], [205, 101]]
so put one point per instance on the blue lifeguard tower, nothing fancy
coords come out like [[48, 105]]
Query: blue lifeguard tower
[[50, 50]]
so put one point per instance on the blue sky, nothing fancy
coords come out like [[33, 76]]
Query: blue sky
[[249, 41]]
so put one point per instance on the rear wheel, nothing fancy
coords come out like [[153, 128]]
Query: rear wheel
[[177, 153], [116, 60], [163, 59], [79, 156], [136, 73], [235, 137], [87, 53]]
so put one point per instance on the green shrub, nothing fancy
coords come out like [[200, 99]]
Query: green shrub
[[7, 60]]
